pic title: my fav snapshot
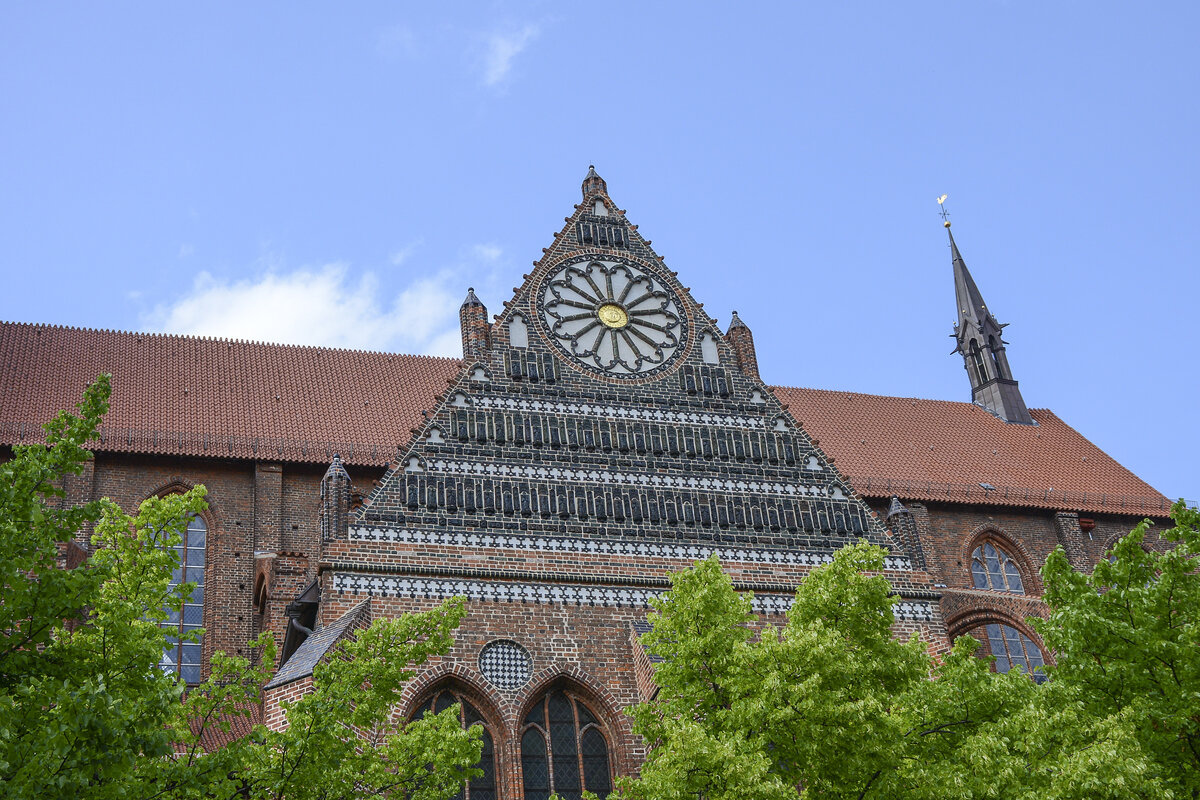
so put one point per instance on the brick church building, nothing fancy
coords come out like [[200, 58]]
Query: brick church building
[[598, 434]]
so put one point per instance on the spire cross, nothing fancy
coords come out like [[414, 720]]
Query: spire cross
[[945, 215]]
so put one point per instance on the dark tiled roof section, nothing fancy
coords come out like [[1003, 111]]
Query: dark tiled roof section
[[308, 655], [938, 450], [641, 626], [182, 395]]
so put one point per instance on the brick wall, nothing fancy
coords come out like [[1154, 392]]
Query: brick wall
[[251, 507]]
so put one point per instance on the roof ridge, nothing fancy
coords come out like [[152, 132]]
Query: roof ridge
[[220, 339], [871, 394]]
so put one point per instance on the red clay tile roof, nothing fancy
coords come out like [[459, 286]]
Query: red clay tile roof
[[939, 450], [223, 730], [181, 395], [184, 395]]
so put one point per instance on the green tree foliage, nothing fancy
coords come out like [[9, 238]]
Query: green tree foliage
[[86, 712], [1127, 637], [831, 705]]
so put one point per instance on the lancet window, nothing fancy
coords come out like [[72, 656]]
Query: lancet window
[[484, 786], [564, 750], [179, 656]]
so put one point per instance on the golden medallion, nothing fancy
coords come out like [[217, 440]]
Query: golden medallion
[[612, 315]]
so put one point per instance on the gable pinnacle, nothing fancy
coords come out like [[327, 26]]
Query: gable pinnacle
[[336, 467], [471, 300], [593, 183], [476, 333], [742, 341]]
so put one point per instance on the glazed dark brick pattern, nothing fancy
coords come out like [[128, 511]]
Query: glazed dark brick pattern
[[535, 478]]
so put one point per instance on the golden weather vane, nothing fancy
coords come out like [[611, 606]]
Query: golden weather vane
[[942, 210]]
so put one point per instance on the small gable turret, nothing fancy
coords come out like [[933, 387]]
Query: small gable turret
[[335, 500], [476, 332], [742, 341]]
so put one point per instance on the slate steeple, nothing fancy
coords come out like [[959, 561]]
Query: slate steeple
[[977, 336]]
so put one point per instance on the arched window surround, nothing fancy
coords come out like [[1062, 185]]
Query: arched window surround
[[1150, 543], [605, 724], [179, 485], [458, 683], [507, 712], [993, 348], [977, 365], [1030, 577], [972, 623], [598, 697]]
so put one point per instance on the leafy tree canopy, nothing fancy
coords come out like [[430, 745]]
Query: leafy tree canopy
[[86, 712], [831, 704]]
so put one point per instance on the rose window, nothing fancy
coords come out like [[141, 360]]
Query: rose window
[[613, 317]]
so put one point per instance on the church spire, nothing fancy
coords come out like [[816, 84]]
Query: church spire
[[977, 336]]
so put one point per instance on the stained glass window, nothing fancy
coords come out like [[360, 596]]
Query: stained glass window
[[577, 756], [183, 657], [993, 568], [483, 787]]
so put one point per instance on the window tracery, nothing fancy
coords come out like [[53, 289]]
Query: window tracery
[[179, 656], [994, 569], [484, 786], [563, 749], [1014, 649]]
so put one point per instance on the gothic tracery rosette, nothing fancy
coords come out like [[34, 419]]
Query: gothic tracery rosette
[[614, 317]]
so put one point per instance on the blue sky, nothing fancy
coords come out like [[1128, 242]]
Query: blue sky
[[296, 173]]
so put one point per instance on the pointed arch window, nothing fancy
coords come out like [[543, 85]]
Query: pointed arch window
[[994, 357], [183, 657], [564, 749], [483, 787], [992, 568], [977, 363], [1014, 649]]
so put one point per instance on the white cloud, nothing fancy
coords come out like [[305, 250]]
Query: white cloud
[[323, 307], [501, 49], [400, 256], [487, 252]]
